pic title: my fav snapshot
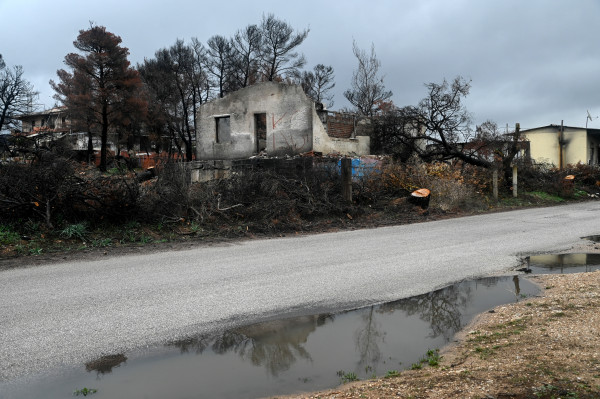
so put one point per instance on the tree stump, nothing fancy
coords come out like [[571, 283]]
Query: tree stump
[[568, 186], [420, 198]]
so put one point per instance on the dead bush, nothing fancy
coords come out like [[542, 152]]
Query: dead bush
[[41, 189], [539, 177], [108, 197], [452, 186], [266, 200], [167, 197], [585, 175]]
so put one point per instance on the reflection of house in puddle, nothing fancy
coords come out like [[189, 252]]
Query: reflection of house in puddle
[[564, 263], [275, 345], [105, 364]]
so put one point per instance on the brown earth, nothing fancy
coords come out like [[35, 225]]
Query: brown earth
[[543, 347]]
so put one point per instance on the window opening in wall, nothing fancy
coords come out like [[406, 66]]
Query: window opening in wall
[[223, 132], [260, 131]]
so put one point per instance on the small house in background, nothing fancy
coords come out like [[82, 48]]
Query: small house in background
[[54, 126], [563, 145], [50, 126], [54, 120], [275, 119]]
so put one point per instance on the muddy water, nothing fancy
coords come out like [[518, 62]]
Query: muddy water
[[564, 263], [289, 355]]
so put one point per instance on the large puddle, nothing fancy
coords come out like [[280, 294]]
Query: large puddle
[[564, 263], [290, 355]]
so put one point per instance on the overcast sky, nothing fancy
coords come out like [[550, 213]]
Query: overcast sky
[[536, 62]]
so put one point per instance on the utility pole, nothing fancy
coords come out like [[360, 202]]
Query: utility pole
[[514, 168], [560, 146]]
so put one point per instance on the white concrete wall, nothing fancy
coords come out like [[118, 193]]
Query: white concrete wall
[[293, 126], [289, 115]]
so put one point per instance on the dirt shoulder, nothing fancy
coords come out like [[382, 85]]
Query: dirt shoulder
[[543, 347]]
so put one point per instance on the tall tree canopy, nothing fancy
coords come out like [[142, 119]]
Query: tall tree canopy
[[318, 83], [439, 128], [176, 84], [279, 58], [101, 89], [16, 95], [367, 88], [220, 61], [246, 55]]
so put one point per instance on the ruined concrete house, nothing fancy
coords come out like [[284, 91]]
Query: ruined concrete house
[[277, 119]]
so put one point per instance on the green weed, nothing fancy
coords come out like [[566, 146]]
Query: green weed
[[416, 366], [84, 391], [78, 231], [195, 227], [102, 242], [8, 235], [145, 239], [545, 196], [35, 251], [32, 227], [432, 358], [392, 374], [347, 377], [551, 391]]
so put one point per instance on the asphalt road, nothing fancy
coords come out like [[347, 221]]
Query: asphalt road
[[69, 313]]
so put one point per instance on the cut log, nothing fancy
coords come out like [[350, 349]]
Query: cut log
[[420, 198]]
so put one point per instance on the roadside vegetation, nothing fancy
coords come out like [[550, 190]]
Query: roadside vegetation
[[52, 205]]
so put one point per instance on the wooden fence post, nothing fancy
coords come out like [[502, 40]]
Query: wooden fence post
[[514, 181], [346, 179], [495, 183]]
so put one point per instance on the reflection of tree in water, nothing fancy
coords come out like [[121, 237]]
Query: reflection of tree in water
[[442, 309], [105, 364], [367, 339], [196, 344], [275, 345]]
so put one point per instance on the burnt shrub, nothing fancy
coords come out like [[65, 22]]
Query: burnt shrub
[[108, 197], [57, 191], [545, 177], [40, 189], [585, 175], [539, 177], [452, 186], [166, 197], [266, 200]]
